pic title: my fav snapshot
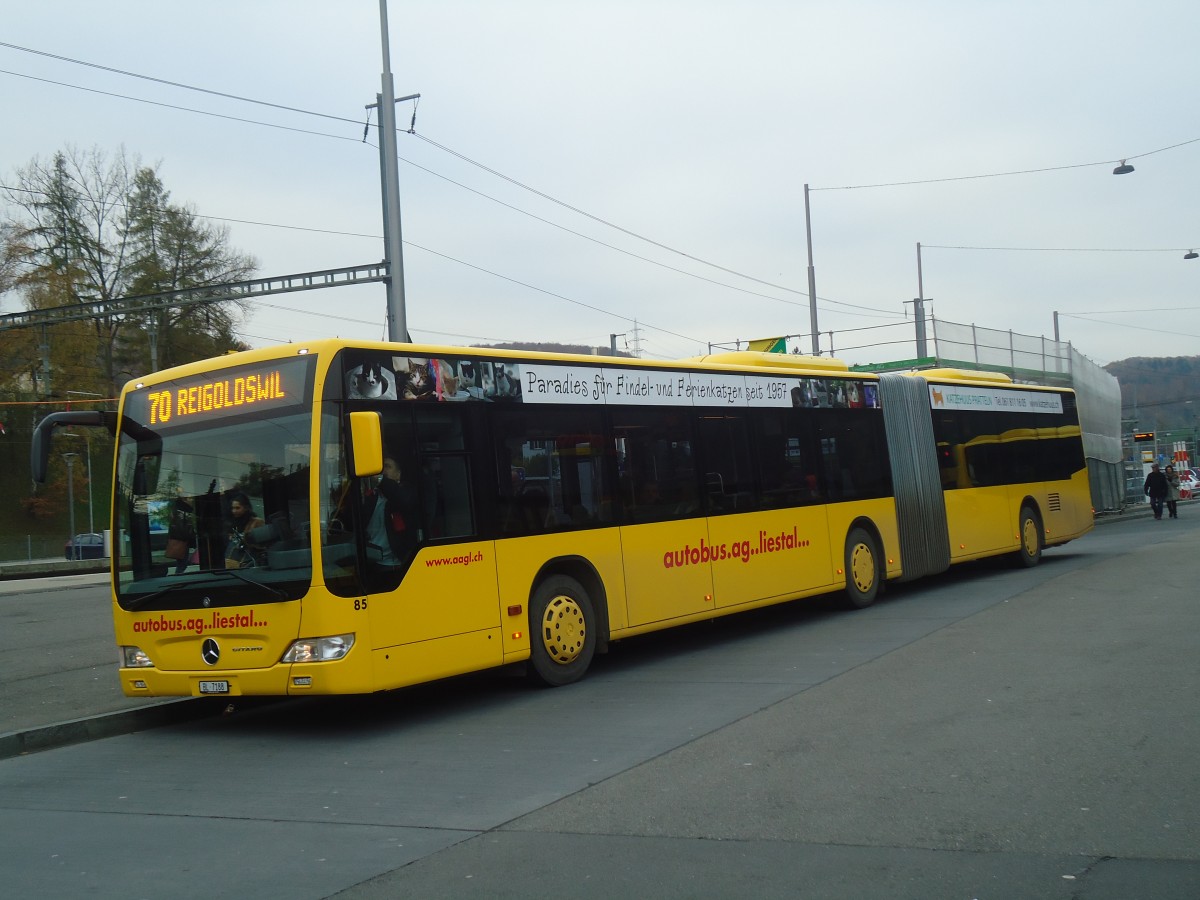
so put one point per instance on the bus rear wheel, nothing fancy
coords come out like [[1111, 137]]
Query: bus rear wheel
[[864, 574], [562, 631], [1030, 553]]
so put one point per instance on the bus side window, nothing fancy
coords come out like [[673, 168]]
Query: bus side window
[[444, 468], [550, 468], [657, 469], [725, 443], [785, 458], [446, 496], [854, 455]]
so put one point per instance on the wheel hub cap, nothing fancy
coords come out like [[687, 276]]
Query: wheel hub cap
[[563, 629], [862, 567]]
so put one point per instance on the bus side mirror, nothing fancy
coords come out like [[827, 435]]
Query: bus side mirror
[[39, 449], [366, 444]]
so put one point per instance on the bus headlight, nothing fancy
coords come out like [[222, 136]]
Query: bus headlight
[[134, 658], [324, 649]]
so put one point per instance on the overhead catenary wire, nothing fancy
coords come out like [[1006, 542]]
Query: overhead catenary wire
[[353, 234], [627, 319], [1171, 331], [1105, 162], [357, 123], [925, 246], [570, 207], [494, 274], [424, 169], [177, 84], [200, 112], [334, 117]]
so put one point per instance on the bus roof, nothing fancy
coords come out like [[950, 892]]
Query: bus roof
[[794, 364], [758, 359], [963, 375]]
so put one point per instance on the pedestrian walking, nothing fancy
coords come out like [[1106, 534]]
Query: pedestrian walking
[[1156, 489], [1172, 498]]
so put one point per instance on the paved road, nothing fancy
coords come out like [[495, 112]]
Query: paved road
[[1042, 747], [58, 658], [57, 680], [990, 733]]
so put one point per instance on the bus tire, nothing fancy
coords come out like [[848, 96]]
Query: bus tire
[[562, 631], [864, 574], [1030, 533]]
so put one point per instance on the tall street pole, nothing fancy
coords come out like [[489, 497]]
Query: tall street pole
[[88, 439], [812, 279], [91, 519], [70, 460], [393, 245]]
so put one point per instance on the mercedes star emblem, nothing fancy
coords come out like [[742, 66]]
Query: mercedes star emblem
[[210, 652]]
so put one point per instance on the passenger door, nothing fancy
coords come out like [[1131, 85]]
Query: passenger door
[[664, 537]]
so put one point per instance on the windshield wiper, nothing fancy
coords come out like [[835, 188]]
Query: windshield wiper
[[236, 574], [140, 602]]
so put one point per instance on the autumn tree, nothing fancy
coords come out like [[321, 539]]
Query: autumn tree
[[85, 227], [172, 250]]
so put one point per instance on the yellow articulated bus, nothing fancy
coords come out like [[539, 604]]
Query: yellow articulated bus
[[349, 517]]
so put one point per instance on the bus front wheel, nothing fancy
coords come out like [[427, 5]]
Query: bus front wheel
[[1030, 553], [864, 574], [562, 631]]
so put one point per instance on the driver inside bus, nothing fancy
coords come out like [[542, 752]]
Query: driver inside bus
[[241, 550], [390, 513]]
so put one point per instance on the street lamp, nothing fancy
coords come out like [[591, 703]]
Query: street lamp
[[1123, 169], [70, 460], [1191, 254], [87, 439]]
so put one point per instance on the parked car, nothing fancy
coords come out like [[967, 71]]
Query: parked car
[[85, 546]]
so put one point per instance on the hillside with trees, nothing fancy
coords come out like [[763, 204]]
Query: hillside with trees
[[1159, 393]]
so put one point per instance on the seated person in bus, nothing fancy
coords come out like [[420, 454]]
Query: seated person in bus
[[390, 513], [181, 532], [241, 550]]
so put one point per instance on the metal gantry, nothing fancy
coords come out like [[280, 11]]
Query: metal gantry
[[238, 290]]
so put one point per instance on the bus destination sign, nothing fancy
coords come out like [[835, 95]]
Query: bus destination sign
[[217, 394]]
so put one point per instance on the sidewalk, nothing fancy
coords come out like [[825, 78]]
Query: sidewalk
[[39, 568]]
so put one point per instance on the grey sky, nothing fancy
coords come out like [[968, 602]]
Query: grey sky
[[694, 124]]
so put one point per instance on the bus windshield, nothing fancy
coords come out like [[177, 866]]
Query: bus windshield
[[211, 505]]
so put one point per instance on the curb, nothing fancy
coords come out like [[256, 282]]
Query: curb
[[14, 570], [1136, 511], [90, 728]]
